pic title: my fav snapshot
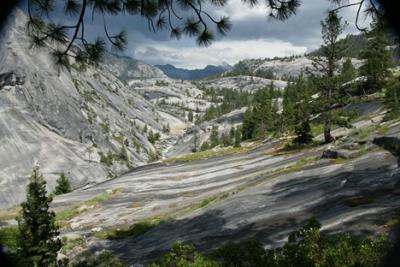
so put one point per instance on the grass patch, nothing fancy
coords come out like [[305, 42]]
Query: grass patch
[[144, 226], [317, 129], [395, 220], [359, 200], [62, 217], [69, 244], [132, 231], [211, 153], [9, 237], [297, 166], [363, 133], [339, 160], [293, 147]]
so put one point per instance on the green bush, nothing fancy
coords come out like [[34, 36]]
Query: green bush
[[306, 247], [184, 256], [63, 185], [103, 259]]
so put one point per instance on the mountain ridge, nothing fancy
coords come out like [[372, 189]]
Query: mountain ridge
[[188, 74]]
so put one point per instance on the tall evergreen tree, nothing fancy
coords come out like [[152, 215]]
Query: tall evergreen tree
[[377, 58], [190, 116], [347, 75], [63, 185], [214, 137], [288, 103], [392, 98], [249, 125], [238, 137], [327, 65], [39, 243]]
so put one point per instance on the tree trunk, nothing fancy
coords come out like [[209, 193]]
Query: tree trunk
[[328, 118], [327, 129]]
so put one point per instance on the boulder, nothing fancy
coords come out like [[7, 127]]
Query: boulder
[[330, 154], [389, 143], [340, 153]]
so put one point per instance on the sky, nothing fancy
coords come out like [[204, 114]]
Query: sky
[[253, 35]]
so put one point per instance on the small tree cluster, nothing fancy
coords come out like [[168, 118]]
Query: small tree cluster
[[153, 137], [262, 117]]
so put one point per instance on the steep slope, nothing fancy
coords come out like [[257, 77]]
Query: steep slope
[[186, 74], [64, 120]]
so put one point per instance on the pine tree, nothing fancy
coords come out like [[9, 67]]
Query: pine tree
[[347, 75], [327, 65], [288, 103], [303, 132], [232, 133], [303, 109], [214, 137], [392, 99], [39, 243], [238, 137], [190, 116], [377, 58], [248, 126], [63, 185]]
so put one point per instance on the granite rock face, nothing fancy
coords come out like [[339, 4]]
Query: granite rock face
[[63, 119]]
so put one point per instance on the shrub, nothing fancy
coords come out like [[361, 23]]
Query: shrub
[[184, 256], [63, 185]]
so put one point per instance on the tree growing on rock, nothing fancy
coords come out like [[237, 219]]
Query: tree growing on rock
[[327, 66], [63, 185], [39, 243], [190, 116], [377, 58], [347, 75], [238, 137]]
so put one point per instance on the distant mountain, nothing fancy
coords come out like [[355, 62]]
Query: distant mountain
[[186, 74], [126, 68]]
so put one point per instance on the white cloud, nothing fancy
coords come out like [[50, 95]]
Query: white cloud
[[230, 51], [253, 36]]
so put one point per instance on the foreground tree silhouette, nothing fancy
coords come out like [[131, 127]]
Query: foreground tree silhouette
[[38, 232]]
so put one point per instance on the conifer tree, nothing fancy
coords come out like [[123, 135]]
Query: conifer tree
[[63, 185], [232, 133], [392, 99], [249, 125], [303, 109], [39, 243], [347, 75], [288, 103], [214, 137], [303, 132], [238, 137], [190, 116], [377, 58], [327, 65]]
